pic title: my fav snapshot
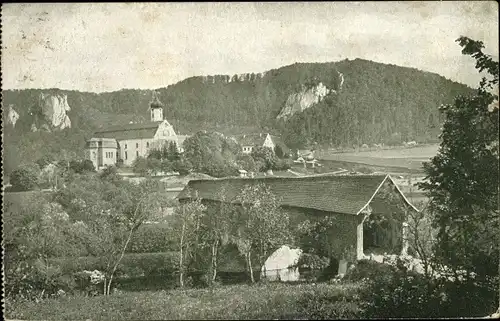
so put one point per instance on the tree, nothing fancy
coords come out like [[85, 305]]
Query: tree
[[182, 166], [247, 163], [189, 219], [462, 179], [87, 166], [25, 177], [141, 166], [211, 153], [110, 211], [264, 155], [154, 165], [173, 152], [216, 229], [35, 232], [260, 225], [278, 150], [81, 166]]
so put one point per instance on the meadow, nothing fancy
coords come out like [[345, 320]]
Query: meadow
[[402, 159], [242, 301]]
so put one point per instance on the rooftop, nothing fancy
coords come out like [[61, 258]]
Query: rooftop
[[339, 194], [129, 131], [251, 139]]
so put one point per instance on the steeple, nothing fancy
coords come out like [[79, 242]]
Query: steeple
[[156, 107]]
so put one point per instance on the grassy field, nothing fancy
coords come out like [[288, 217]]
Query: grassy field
[[259, 301], [402, 158]]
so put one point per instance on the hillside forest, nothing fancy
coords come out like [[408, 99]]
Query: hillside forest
[[373, 103]]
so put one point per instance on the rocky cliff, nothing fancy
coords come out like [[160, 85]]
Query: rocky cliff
[[306, 98], [12, 115], [51, 112]]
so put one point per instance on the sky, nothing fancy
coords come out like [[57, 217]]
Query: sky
[[101, 47]]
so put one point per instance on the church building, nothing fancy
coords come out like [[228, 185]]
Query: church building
[[124, 143]]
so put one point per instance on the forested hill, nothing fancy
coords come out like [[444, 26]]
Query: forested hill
[[342, 103]]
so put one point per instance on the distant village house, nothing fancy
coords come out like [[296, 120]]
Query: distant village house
[[251, 141]]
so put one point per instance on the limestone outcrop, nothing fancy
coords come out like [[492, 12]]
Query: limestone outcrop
[[53, 110], [12, 116], [306, 98]]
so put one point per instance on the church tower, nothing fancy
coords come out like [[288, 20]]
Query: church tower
[[156, 108]]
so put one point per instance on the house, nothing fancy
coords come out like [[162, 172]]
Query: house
[[249, 142], [127, 142], [369, 210]]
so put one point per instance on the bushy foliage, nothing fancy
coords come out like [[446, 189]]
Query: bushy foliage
[[152, 238], [82, 166], [463, 177], [366, 270], [25, 177], [325, 303], [396, 292], [212, 153]]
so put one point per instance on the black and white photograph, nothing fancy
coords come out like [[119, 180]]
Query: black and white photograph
[[250, 160]]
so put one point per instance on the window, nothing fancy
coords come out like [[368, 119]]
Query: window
[[147, 144], [125, 146], [137, 153], [136, 145], [126, 156]]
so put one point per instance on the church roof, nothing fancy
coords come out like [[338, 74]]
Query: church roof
[[129, 131]]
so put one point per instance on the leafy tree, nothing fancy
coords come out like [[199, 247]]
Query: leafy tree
[[278, 151], [155, 153], [141, 166], [81, 166], [462, 179], [247, 163], [183, 166], [260, 225], [110, 173], [173, 152], [154, 165], [264, 155], [188, 226], [110, 212], [216, 230], [211, 153], [35, 232], [25, 177], [166, 166], [45, 160]]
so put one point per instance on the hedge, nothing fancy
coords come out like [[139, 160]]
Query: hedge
[[132, 265], [152, 238]]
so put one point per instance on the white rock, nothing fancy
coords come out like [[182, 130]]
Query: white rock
[[54, 109], [276, 267], [12, 116], [304, 99]]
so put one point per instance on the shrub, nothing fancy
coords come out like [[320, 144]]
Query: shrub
[[282, 164], [366, 269], [152, 238], [328, 303], [132, 265], [395, 292], [25, 177]]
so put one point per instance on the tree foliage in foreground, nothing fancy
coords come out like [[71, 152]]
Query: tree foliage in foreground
[[463, 176]]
